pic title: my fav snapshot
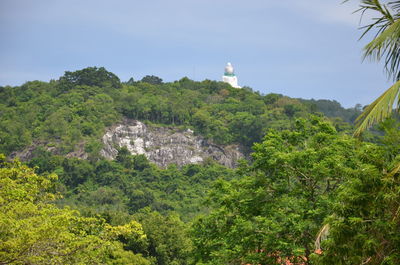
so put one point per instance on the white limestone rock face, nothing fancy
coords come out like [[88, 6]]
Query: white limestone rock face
[[166, 145]]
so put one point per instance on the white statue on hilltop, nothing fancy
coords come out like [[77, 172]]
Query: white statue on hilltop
[[230, 77]]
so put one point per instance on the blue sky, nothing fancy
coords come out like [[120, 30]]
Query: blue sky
[[299, 48]]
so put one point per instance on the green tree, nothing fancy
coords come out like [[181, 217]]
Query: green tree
[[34, 231], [90, 76], [364, 227], [273, 212], [152, 79], [167, 236], [131, 81]]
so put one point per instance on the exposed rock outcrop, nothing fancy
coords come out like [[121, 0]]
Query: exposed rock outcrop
[[166, 145], [161, 145]]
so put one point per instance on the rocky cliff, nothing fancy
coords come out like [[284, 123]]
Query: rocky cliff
[[161, 145], [166, 145]]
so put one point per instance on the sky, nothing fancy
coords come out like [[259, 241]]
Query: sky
[[298, 48]]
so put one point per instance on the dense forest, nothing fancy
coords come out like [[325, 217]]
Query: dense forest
[[310, 193], [78, 107]]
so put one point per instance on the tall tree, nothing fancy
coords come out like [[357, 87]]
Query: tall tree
[[90, 76], [273, 212], [364, 227], [152, 79]]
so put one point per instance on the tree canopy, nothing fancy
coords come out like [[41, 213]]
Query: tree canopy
[[90, 76], [73, 112], [35, 231], [276, 208]]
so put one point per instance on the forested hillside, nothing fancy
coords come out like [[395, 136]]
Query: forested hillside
[[309, 193], [333, 109], [76, 109]]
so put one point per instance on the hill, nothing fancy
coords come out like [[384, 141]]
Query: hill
[[172, 211], [333, 109], [74, 111]]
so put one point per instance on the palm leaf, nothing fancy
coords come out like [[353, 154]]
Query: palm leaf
[[380, 109], [386, 44], [395, 170], [322, 235]]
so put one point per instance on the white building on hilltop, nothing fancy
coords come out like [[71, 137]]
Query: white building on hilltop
[[230, 77]]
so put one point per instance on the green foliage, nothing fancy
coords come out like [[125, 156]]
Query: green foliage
[[364, 227], [385, 45], [276, 209], [333, 109], [90, 76], [151, 79], [167, 237], [62, 122], [71, 114], [112, 189], [266, 212], [272, 98], [378, 110], [132, 188], [34, 231]]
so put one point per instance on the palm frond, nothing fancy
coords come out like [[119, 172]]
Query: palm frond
[[387, 33], [395, 5], [380, 109], [375, 5], [322, 235], [394, 171], [386, 45]]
